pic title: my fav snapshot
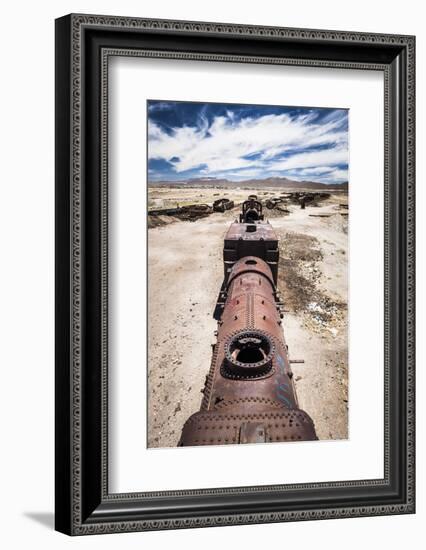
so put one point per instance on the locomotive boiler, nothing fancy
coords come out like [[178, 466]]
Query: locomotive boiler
[[249, 394]]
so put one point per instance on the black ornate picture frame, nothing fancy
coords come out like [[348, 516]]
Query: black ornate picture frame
[[84, 44]]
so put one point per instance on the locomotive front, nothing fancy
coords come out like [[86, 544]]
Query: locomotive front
[[249, 394]]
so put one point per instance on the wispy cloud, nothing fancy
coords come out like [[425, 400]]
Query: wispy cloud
[[186, 140]]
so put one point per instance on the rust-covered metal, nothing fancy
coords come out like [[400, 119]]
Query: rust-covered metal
[[251, 210], [249, 394], [221, 205], [301, 198], [251, 239], [247, 239], [192, 212]]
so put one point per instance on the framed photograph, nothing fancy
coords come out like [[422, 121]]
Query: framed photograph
[[234, 274]]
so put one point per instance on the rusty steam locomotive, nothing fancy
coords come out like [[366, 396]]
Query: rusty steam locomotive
[[249, 394]]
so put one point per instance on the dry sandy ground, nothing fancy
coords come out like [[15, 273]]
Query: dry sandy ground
[[185, 274]]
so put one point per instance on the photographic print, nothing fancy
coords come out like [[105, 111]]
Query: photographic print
[[247, 273], [222, 211]]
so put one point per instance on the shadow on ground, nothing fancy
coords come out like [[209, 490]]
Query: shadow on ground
[[47, 519]]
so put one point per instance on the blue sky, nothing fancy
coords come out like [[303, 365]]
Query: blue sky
[[238, 142]]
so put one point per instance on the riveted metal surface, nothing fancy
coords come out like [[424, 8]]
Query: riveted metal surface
[[249, 395], [248, 354], [243, 231], [254, 265], [241, 241], [217, 428], [252, 432]]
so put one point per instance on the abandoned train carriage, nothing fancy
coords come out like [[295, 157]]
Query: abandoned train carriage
[[249, 395]]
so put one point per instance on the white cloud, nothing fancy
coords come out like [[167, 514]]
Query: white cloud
[[338, 175], [314, 159], [225, 144]]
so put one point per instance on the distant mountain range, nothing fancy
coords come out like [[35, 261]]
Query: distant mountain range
[[282, 183]]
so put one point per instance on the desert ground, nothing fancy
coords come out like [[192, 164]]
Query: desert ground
[[185, 272]]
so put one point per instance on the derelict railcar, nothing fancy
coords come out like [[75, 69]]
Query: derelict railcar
[[249, 394]]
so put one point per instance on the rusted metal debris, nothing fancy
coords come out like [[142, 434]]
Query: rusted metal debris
[[191, 212], [298, 197], [194, 212], [251, 210], [306, 198], [249, 394], [221, 205], [329, 214], [278, 203]]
